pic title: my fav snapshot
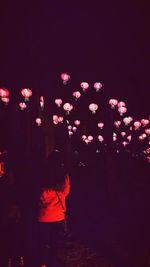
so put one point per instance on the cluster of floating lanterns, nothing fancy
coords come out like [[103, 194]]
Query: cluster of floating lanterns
[[127, 122]]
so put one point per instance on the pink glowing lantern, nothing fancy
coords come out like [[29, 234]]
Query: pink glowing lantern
[[74, 128], [58, 102], [4, 92], [93, 107], [147, 131], [77, 95], [100, 125], [27, 93], [144, 135], [77, 122], [137, 125], [113, 103], [114, 138], [101, 138], [84, 86], [65, 78], [22, 105], [144, 122], [60, 119], [129, 137], [125, 143], [117, 123], [38, 121], [121, 104], [90, 138], [5, 100], [127, 120], [123, 134], [67, 107], [55, 119], [42, 102], [70, 133], [122, 110], [84, 137], [69, 127], [97, 86]]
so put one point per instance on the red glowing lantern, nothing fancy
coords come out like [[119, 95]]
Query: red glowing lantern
[[100, 125], [58, 102], [38, 121], [84, 86], [137, 125], [42, 102], [144, 122], [77, 95], [122, 110], [93, 107], [67, 107], [113, 103], [127, 120], [4, 92], [65, 78], [117, 123], [22, 105], [77, 122], [55, 119], [5, 100], [27, 93], [60, 119], [97, 86]]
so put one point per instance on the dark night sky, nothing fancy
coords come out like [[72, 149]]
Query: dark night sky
[[108, 41]]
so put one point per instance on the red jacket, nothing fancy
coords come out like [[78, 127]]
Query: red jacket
[[51, 209]]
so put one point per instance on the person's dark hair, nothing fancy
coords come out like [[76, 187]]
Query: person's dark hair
[[54, 172]]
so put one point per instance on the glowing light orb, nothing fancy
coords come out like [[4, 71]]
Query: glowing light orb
[[123, 134], [117, 123], [84, 86], [100, 125], [38, 121], [60, 119], [144, 122], [122, 110], [93, 107], [127, 120], [5, 100], [58, 102], [121, 104], [4, 92], [77, 95], [65, 78], [55, 119], [113, 103], [22, 105], [137, 125], [42, 102], [77, 122], [27, 93], [67, 107], [101, 138], [147, 131], [97, 86]]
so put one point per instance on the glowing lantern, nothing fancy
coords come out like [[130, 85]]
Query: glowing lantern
[[84, 86], [38, 121], [147, 131], [93, 107], [60, 119], [129, 137], [27, 93], [123, 134], [70, 133], [144, 122], [77, 95], [122, 110], [69, 127], [67, 107], [114, 138], [4, 92], [74, 128], [77, 122], [97, 86], [55, 119], [58, 102], [22, 105], [90, 138], [5, 100], [127, 120], [113, 103], [100, 125], [124, 143], [65, 78], [144, 135], [141, 138], [42, 102], [86, 141], [100, 138], [84, 137], [137, 125], [117, 123], [121, 104]]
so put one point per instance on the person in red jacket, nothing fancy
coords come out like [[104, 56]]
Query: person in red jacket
[[51, 217]]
